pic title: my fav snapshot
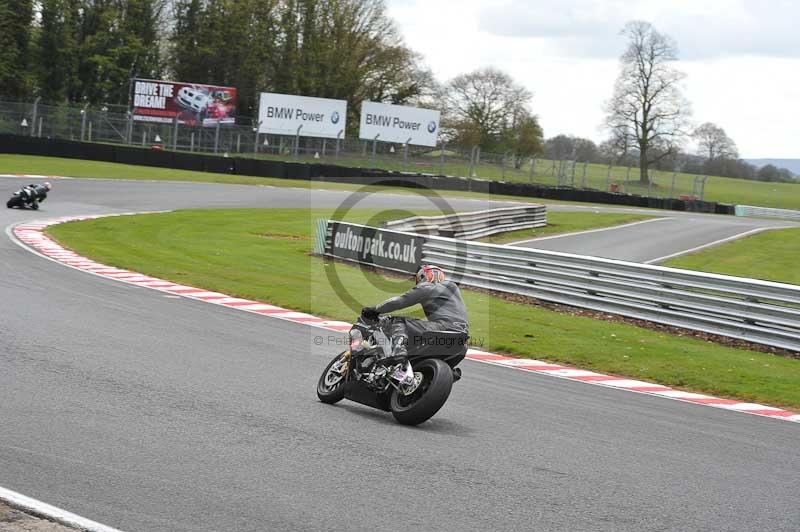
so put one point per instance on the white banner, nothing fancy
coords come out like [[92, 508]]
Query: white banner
[[397, 123], [282, 114]]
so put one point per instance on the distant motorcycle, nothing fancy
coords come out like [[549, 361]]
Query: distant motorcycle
[[412, 388], [29, 196]]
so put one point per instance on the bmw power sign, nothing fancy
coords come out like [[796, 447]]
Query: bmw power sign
[[398, 123], [287, 114]]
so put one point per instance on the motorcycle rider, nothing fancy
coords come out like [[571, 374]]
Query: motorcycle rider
[[440, 300], [34, 194]]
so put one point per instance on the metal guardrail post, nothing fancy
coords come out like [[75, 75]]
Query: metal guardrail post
[[216, 138], [175, 134], [405, 155], [338, 142]]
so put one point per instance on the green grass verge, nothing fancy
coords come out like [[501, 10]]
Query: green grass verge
[[771, 255], [568, 222], [719, 189], [264, 255], [28, 164], [597, 176]]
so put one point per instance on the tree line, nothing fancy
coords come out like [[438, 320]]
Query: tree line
[[86, 51]]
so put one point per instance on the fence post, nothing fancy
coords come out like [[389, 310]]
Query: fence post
[[649, 183], [191, 143], [130, 127], [533, 168], [35, 113], [338, 140], [574, 166], [585, 167], [216, 138], [608, 176], [255, 138], [238, 143], [375, 147], [628, 175], [503, 165], [324, 147], [472, 161], [83, 121], [41, 118], [297, 140], [405, 155], [90, 130], [175, 134], [144, 137], [672, 190], [441, 158]]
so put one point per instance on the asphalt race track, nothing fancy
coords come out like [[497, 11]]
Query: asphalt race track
[[150, 413]]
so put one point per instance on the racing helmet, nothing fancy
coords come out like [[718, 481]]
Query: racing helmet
[[47, 185], [430, 274]]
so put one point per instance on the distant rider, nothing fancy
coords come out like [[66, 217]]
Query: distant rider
[[440, 300], [34, 194]]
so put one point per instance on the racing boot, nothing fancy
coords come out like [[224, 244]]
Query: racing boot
[[399, 349]]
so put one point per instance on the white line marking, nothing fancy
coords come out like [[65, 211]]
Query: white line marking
[[48, 511], [710, 244], [613, 227]]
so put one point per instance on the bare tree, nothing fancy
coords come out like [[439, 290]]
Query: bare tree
[[714, 142], [648, 111], [482, 105]]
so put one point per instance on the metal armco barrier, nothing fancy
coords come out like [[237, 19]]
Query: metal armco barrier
[[475, 224], [747, 309], [766, 212]]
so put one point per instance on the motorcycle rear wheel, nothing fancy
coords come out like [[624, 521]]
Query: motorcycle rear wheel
[[428, 398], [15, 201], [330, 387]]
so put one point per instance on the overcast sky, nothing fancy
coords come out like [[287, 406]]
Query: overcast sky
[[741, 57]]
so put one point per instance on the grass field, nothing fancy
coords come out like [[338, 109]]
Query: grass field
[[597, 176], [719, 189], [25, 164], [264, 255], [772, 255]]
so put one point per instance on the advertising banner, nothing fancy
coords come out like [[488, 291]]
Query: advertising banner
[[193, 104], [397, 123], [282, 114], [378, 247]]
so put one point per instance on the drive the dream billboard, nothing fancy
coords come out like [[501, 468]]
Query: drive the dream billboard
[[397, 123], [191, 103], [282, 114]]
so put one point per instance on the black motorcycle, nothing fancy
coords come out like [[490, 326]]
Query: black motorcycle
[[24, 198], [412, 388]]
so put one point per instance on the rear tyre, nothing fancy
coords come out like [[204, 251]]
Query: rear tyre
[[330, 387], [428, 398], [15, 201]]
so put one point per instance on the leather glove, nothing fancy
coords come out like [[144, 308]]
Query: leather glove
[[370, 313]]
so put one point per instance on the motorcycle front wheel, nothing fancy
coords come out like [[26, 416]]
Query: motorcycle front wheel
[[330, 387], [15, 201], [430, 395]]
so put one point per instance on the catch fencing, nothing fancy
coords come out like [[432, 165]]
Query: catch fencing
[[113, 124], [746, 309], [474, 224]]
